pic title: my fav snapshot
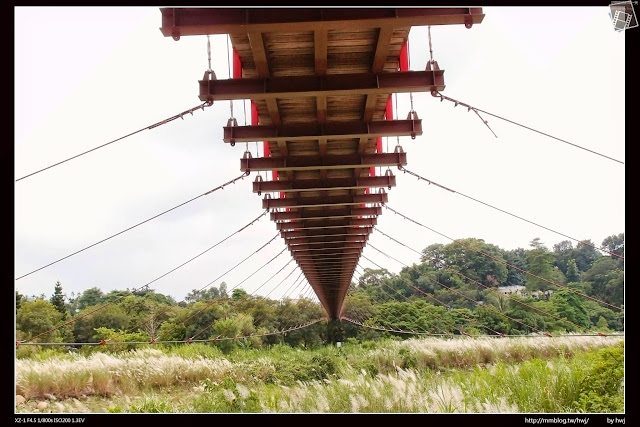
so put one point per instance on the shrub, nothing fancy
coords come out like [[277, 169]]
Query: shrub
[[601, 388]]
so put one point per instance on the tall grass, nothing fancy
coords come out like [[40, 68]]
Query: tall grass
[[417, 375]]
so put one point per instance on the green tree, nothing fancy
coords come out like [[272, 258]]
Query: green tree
[[87, 321], [597, 311], [563, 253], [572, 273], [372, 281], [239, 294], [541, 267], [517, 258], [607, 280], [474, 259], [39, 317], [614, 244], [585, 254], [233, 331], [57, 299], [434, 255], [569, 306], [200, 318], [223, 290], [90, 297], [19, 299], [290, 313], [523, 318], [145, 313]]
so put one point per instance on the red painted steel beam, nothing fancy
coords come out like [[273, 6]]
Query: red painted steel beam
[[333, 264], [345, 280], [324, 184], [327, 239], [328, 251], [327, 85], [330, 264], [177, 22], [327, 224], [327, 246], [325, 213], [335, 269], [311, 202], [331, 130], [331, 276], [343, 161], [331, 252], [311, 234]]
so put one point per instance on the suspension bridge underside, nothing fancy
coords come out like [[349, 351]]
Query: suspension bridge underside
[[320, 83]]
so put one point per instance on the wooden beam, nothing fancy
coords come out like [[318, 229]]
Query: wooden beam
[[320, 42], [382, 49], [274, 113], [321, 109], [259, 54]]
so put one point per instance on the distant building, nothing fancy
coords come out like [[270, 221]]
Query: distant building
[[511, 289], [521, 291]]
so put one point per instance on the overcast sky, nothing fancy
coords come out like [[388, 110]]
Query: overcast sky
[[86, 76]]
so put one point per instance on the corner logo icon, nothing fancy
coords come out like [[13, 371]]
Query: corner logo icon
[[623, 15]]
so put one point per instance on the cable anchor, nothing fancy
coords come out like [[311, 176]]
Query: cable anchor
[[258, 180], [388, 173], [413, 116]]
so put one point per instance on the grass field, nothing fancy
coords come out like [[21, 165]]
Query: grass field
[[463, 375]]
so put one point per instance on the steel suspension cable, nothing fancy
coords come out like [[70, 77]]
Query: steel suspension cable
[[434, 298], [476, 110], [210, 283], [415, 310], [502, 314], [491, 289], [510, 265], [508, 213], [189, 111], [447, 306], [215, 300], [136, 225]]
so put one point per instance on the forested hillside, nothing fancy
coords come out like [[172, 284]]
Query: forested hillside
[[466, 287]]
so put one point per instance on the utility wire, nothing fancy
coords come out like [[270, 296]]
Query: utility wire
[[400, 167], [475, 110], [189, 111], [134, 226]]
